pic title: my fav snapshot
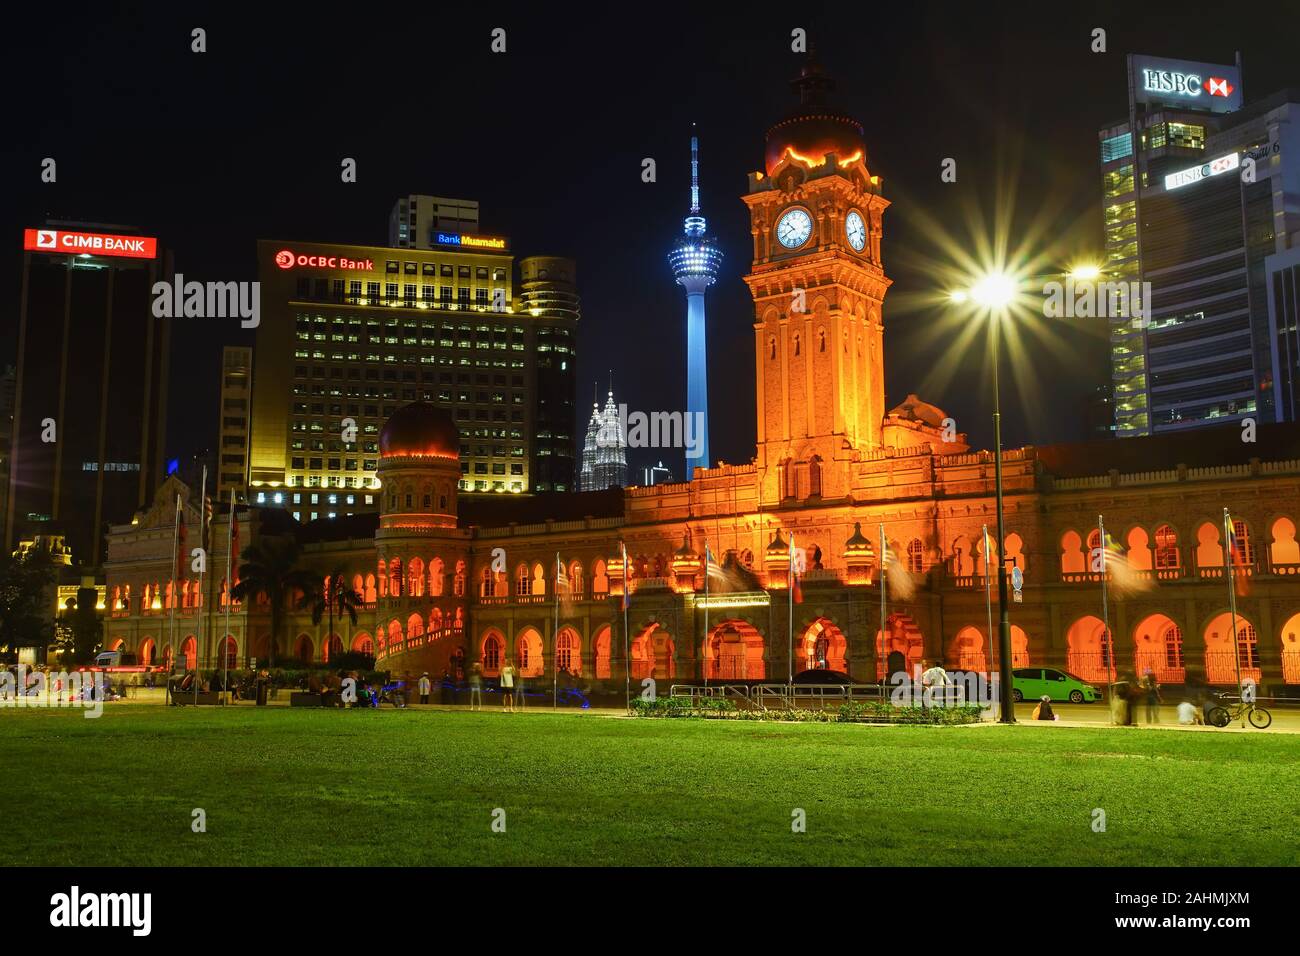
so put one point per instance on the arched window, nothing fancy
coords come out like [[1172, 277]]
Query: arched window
[[371, 594], [566, 652], [599, 579], [815, 477], [458, 582], [821, 340], [771, 347], [523, 580], [383, 578], [414, 627], [575, 579], [491, 654], [435, 577], [1166, 548], [1243, 549], [915, 556], [539, 579], [796, 344], [395, 577], [415, 578], [487, 587]]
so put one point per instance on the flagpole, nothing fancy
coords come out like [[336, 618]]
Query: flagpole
[[555, 641], [1111, 672], [789, 591], [203, 543], [705, 648], [988, 600], [1231, 542], [176, 533], [883, 556], [627, 653], [230, 558]]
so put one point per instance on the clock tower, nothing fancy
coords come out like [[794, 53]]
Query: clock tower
[[818, 287]]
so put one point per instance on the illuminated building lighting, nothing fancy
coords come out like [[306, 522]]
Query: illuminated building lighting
[[855, 157]]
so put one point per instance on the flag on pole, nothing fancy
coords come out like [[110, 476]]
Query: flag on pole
[[796, 592], [1237, 548], [711, 566], [182, 552], [561, 579], [627, 577]]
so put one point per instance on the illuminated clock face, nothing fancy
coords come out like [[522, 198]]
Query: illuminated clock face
[[856, 230], [794, 228]]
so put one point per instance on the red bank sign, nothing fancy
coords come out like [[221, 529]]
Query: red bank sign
[[90, 243], [287, 259]]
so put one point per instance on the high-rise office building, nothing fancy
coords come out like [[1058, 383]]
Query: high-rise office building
[[695, 260], [548, 295], [349, 334], [90, 397], [415, 221], [657, 474], [233, 421]]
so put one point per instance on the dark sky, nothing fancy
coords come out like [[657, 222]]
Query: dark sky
[[212, 151]]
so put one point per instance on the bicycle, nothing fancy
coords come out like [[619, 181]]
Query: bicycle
[[1221, 715]]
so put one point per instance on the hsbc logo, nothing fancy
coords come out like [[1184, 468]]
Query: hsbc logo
[[1218, 86], [287, 259]]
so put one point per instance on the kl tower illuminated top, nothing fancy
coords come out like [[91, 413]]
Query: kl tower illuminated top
[[695, 259]]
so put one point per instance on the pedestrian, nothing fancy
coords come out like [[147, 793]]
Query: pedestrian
[[476, 686], [934, 676], [1044, 709], [1188, 713], [508, 686], [1151, 694], [425, 686]]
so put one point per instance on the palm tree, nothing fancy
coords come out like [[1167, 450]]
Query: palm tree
[[271, 570], [337, 595]]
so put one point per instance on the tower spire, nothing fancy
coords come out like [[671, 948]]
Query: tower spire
[[695, 175]]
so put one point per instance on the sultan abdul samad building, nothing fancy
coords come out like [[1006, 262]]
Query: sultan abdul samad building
[[832, 464]]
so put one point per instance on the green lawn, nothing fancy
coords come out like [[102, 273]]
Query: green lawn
[[404, 787]]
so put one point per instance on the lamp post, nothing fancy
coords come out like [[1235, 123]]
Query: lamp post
[[994, 291]]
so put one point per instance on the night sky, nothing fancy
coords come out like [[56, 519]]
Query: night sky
[[212, 151]]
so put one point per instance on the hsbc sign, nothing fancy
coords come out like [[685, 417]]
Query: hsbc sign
[[1202, 86], [90, 243], [1195, 174]]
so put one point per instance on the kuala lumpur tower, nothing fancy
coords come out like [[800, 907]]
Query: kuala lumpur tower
[[695, 259]]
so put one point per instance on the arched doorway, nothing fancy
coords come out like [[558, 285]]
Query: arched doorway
[[900, 648], [1158, 648], [735, 650], [189, 651], [967, 651], [1220, 665], [568, 652], [304, 650], [529, 654], [822, 647], [492, 653], [601, 650], [653, 654], [363, 644], [332, 648], [1087, 650], [227, 653], [146, 652]]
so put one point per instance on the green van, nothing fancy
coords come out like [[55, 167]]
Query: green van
[[1032, 683]]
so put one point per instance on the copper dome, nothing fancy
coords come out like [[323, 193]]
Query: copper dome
[[815, 128], [420, 430]]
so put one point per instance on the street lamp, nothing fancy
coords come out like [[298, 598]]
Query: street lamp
[[995, 291]]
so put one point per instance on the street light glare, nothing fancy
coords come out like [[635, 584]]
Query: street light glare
[[958, 295], [994, 290], [1086, 273]]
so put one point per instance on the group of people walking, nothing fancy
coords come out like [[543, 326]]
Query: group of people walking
[[510, 683]]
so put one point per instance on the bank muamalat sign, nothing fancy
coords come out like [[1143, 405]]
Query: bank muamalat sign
[[1194, 174], [90, 243], [1202, 86]]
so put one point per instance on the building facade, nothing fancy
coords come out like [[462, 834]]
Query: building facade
[[90, 350], [349, 334], [450, 580], [233, 422], [415, 221]]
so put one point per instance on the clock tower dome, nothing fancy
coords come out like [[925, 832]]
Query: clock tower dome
[[818, 287]]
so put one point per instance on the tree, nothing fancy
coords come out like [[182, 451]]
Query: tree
[[25, 582], [337, 595], [270, 570]]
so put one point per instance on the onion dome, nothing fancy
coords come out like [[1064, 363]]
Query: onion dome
[[420, 430], [777, 554], [858, 547], [686, 560], [814, 129]]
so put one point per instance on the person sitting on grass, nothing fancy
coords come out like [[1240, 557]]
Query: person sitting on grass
[[1044, 709]]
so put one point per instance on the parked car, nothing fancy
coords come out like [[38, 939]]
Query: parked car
[[1032, 683]]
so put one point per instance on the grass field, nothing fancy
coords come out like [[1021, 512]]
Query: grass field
[[284, 786]]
